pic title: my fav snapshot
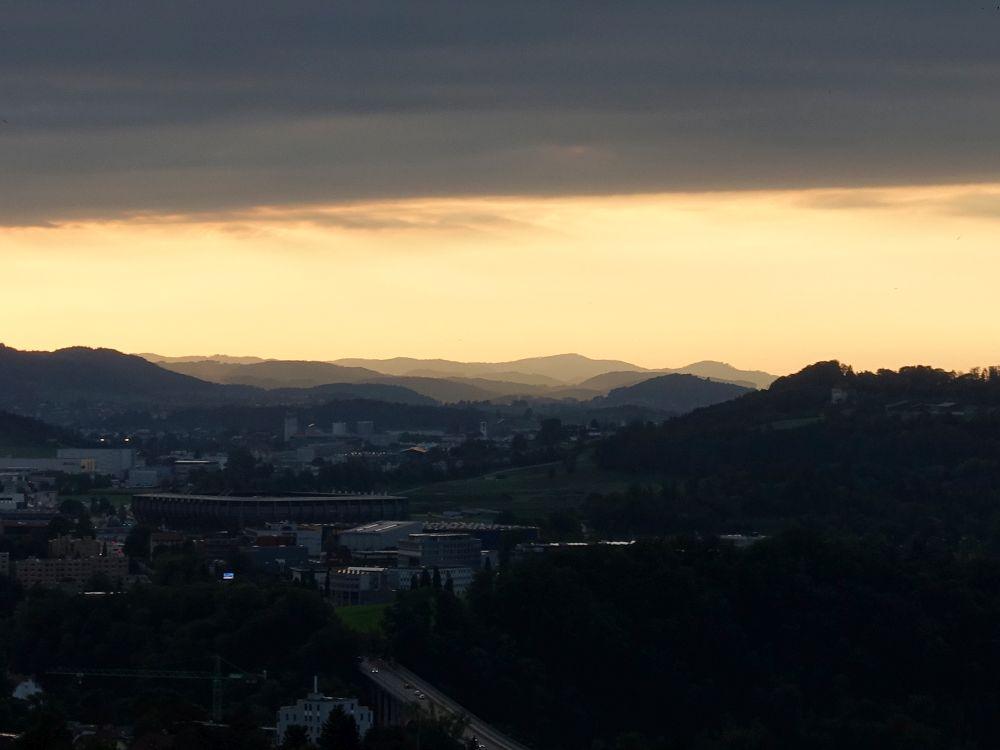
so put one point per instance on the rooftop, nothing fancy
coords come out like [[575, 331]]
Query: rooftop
[[379, 527], [269, 498]]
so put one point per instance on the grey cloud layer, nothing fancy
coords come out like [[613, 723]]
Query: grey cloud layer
[[115, 107]]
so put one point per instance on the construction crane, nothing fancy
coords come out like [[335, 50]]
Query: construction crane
[[217, 676]]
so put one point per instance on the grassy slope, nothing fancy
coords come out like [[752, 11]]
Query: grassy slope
[[529, 492], [363, 618]]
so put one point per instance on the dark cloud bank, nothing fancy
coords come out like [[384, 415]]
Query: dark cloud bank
[[124, 106]]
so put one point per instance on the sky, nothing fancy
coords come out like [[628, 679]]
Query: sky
[[768, 183]]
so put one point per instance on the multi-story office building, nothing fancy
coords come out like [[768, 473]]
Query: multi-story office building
[[439, 551]]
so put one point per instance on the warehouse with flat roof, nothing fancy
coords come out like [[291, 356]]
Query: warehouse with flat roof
[[378, 535]]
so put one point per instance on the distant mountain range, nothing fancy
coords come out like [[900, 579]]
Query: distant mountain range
[[70, 385], [74, 385], [559, 376], [557, 369]]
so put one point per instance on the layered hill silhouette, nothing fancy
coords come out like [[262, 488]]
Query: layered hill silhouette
[[84, 381], [558, 377], [74, 384], [719, 371], [674, 393], [99, 375], [272, 373], [561, 368]]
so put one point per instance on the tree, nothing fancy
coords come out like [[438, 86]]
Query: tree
[[100, 581], [296, 738], [137, 542], [550, 432], [47, 731], [340, 731]]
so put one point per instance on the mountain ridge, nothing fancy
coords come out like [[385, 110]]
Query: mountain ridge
[[555, 371]]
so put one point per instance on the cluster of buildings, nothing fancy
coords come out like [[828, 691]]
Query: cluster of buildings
[[122, 465], [358, 442], [27, 501], [387, 556], [316, 540], [114, 462], [71, 564]]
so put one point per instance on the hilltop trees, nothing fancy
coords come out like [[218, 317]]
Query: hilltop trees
[[913, 455], [799, 641]]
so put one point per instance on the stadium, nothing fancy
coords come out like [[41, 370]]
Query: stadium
[[228, 511]]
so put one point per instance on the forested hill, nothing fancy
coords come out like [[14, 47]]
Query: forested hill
[[829, 389], [28, 379], [673, 393], [909, 454], [25, 436]]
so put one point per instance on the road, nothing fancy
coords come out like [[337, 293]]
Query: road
[[393, 679]]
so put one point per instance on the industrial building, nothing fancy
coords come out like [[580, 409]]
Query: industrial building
[[440, 551], [460, 579], [378, 535], [492, 535], [114, 461], [358, 585]]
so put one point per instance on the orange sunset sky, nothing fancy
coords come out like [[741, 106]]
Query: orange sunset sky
[[770, 280], [767, 184]]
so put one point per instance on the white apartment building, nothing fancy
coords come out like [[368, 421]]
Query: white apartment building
[[312, 712]]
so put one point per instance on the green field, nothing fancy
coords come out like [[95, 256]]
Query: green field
[[363, 618], [529, 492]]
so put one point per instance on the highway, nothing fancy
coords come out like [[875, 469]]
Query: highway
[[393, 679]]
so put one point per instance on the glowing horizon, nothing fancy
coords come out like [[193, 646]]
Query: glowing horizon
[[768, 280]]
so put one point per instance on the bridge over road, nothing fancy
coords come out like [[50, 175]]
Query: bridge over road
[[402, 687]]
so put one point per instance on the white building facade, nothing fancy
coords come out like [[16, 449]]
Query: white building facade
[[312, 712]]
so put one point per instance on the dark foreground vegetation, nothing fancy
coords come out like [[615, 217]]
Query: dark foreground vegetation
[[796, 642], [289, 633]]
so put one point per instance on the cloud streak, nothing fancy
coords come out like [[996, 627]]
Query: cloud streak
[[116, 107]]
